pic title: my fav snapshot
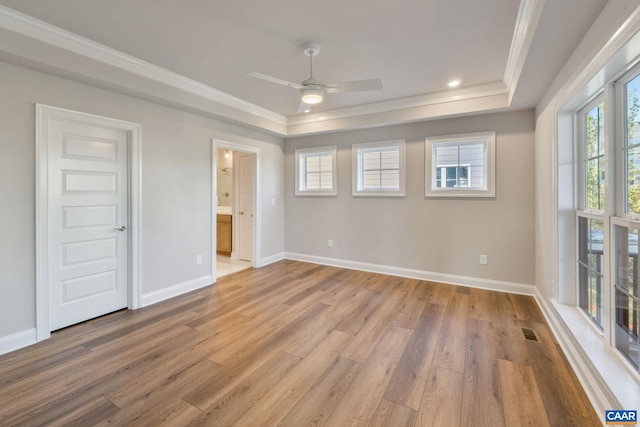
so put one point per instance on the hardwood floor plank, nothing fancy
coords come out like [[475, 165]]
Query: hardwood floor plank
[[264, 347], [518, 380], [441, 403], [453, 334], [366, 391], [66, 388], [318, 403], [323, 325], [482, 395], [411, 309], [41, 365], [285, 325], [272, 408], [526, 308], [319, 281], [439, 293], [410, 377], [490, 306], [229, 407], [354, 322], [248, 359], [363, 343], [391, 414], [183, 373], [566, 405], [87, 414], [346, 286], [176, 412]]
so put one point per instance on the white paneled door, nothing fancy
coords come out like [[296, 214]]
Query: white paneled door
[[246, 175], [87, 220]]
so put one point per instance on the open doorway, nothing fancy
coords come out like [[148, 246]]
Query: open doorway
[[235, 204]]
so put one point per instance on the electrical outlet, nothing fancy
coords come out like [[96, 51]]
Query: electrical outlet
[[330, 243], [198, 259], [484, 260]]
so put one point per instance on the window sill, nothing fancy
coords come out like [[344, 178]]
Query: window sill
[[614, 371], [316, 194], [377, 194]]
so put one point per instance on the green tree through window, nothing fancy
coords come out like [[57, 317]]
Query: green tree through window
[[595, 165], [632, 148]]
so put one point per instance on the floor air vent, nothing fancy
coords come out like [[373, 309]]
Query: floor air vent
[[529, 334]]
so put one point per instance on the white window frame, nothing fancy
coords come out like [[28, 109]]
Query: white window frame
[[300, 171], [357, 152], [489, 164]]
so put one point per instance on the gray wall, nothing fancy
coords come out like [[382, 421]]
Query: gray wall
[[434, 235], [176, 185]]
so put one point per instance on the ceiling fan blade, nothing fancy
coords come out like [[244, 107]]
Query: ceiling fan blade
[[274, 80], [371, 84]]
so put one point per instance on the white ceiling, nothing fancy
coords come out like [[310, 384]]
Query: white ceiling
[[505, 52]]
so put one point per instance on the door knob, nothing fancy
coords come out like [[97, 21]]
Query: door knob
[[121, 228], [241, 213]]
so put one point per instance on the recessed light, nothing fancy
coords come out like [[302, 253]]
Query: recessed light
[[453, 83]]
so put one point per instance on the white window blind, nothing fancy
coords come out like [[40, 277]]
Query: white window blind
[[316, 171], [378, 168]]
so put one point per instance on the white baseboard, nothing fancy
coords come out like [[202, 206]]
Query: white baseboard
[[176, 290], [474, 282], [270, 259], [606, 379], [17, 341]]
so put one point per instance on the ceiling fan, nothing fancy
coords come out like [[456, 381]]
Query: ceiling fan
[[312, 91]]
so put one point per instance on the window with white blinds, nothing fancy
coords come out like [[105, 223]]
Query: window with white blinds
[[316, 171], [378, 168]]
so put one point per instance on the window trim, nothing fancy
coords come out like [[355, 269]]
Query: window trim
[[489, 156], [356, 168], [307, 152]]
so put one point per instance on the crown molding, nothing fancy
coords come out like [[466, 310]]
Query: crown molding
[[36, 29], [528, 17], [479, 91], [130, 75]]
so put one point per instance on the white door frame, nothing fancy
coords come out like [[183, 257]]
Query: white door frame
[[43, 113], [257, 228]]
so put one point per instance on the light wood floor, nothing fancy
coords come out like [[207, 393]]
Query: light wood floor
[[297, 344]]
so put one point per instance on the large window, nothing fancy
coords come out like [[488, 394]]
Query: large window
[[378, 169], [460, 165], [608, 215], [316, 171]]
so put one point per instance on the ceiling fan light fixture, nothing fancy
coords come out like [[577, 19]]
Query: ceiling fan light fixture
[[312, 96]]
